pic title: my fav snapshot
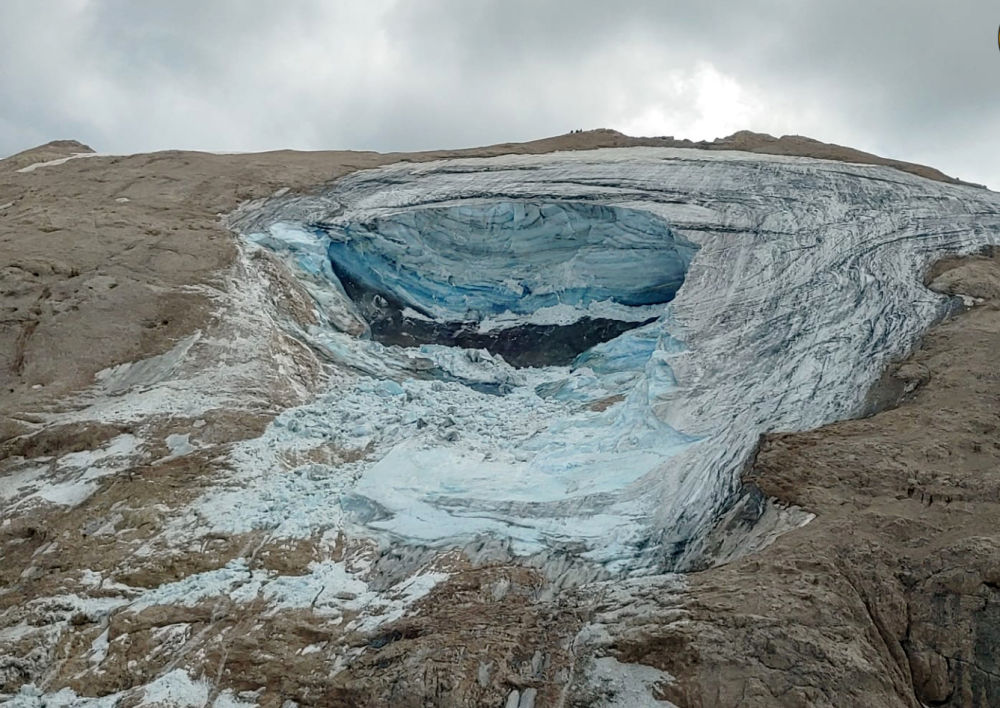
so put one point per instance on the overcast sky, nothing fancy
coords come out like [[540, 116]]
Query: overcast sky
[[912, 79]]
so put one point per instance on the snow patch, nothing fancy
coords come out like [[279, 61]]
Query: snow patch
[[66, 494], [30, 696], [175, 689], [60, 161], [71, 479], [228, 699], [328, 589], [179, 445], [145, 372], [178, 690], [627, 685], [99, 648]]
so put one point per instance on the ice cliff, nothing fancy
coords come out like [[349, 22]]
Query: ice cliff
[[575, 353]]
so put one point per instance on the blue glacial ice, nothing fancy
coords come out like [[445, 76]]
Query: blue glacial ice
[[472, 262], [758, 293]]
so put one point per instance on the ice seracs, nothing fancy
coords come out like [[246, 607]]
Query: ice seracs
[[717, 295]]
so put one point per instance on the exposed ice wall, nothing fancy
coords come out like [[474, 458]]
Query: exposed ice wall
[[499, 259], [805, 282]]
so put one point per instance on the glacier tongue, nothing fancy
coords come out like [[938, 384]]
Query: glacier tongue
[[780, 287]]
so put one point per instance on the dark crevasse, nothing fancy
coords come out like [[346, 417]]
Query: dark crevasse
[[520, 345]]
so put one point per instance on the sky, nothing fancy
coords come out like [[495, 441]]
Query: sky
[[917, 80]]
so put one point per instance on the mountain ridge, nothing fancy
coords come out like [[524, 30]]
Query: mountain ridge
[[742, 140]]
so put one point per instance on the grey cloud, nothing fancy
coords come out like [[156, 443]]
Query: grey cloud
[[915, 80]]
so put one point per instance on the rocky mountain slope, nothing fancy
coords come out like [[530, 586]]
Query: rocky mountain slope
[[248, 457]]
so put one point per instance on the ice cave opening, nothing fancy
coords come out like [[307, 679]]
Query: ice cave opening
[[536, 283]]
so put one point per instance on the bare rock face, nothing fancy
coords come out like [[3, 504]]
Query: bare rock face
[[190, 419]]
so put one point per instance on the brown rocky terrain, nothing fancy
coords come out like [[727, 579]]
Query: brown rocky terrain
[[888, 597]]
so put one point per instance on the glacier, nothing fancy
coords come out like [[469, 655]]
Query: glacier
[[576, 353]]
